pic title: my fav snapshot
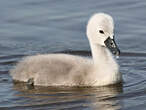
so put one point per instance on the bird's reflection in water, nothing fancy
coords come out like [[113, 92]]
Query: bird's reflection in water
[[74, 98]]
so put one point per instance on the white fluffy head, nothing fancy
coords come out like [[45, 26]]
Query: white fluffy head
[[100, 26]]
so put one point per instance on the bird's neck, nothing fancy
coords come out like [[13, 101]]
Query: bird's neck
[[99, 54], [105, 67]]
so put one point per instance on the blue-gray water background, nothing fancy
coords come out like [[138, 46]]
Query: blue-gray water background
[[29, 27]]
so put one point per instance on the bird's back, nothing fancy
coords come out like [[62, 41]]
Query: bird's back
[[52, 69]]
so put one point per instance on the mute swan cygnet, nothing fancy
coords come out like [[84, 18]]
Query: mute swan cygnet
[[70, 70]]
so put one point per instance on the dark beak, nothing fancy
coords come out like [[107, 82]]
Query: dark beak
[[111, 45]]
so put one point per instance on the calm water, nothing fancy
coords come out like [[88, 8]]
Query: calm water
[[30, 27]]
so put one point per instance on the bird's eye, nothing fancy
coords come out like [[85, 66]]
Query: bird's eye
[[101, 31]]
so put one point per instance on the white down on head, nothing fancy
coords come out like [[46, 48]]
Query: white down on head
[[100, 22], [70, 70]]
